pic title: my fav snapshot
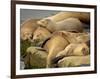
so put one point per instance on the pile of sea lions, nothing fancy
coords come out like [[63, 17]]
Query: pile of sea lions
[[57, 41]]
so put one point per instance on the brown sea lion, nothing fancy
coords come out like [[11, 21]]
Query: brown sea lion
[[27, 28], [74, 49], [40, 35], [54, 45], [82, 16], [69, 24], [74, 61]]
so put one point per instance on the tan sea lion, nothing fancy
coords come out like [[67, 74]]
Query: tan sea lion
[[69, 24], [74, 49], [40, 35], [27, 28], [74, 61], [82, 16], [72, 37], [54, 45]]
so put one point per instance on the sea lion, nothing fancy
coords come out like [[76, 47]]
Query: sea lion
[[54, 45], [40, 35], [74, 49], [82, 16], [27, 28], [73, 37], [74, 61], [69, 24]]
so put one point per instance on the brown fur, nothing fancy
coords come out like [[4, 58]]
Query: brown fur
[[41, 34], [70, 24], [53, 46], [82, 16], [74, 37], [27, 28], [74, 49], [74, 61], [59, 41]]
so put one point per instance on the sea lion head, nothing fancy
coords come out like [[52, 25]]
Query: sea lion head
[[40, 35], [26, 34], [43, 22]]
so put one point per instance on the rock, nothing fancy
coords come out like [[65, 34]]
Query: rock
[[35, 58]]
